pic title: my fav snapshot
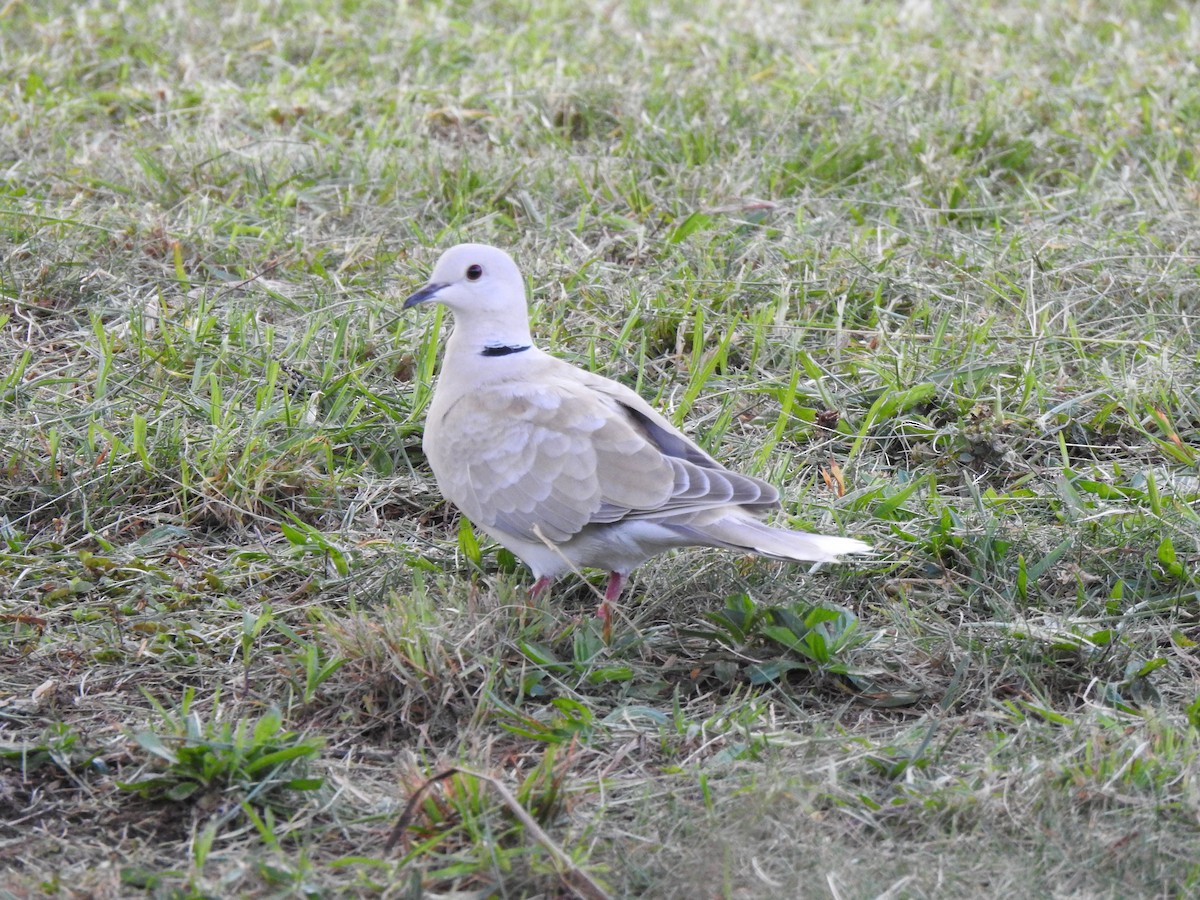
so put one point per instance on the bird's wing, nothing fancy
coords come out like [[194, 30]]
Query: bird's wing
[[700, 482], [542, 457]]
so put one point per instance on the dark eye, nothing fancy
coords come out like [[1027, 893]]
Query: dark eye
[[475, 272]]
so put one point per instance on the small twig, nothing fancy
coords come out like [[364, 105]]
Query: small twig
[[238, 285], [573, 877], [410, 809]]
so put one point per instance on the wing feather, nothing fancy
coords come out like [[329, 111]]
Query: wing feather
[[546, 456]]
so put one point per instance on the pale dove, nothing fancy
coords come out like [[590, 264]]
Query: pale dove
[[569, 469]]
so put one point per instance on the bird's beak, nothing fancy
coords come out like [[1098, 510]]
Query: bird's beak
[[428, 292]]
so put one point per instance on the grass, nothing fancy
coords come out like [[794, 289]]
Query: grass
[[930, 268]]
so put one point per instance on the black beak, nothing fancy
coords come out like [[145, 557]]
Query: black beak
[[426, 293]]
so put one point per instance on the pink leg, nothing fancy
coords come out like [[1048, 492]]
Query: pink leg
[[616, 584], [616, 581], [539, 587]]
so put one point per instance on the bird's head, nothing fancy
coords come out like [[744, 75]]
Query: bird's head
[[483, 288], [475, 281]]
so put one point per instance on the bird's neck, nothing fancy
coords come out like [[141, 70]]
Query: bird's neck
[[488, 337]]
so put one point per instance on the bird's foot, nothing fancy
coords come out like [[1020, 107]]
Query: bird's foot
[[604, 612]]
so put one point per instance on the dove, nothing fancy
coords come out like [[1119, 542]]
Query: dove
[[568, 469]]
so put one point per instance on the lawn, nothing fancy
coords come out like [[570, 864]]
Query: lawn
[[932, 268]]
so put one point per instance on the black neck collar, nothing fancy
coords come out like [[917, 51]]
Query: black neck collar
[[503, 351]]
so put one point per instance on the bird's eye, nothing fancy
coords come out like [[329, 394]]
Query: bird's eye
[[474, 272]]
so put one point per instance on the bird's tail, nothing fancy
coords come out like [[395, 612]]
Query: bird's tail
[[741, 532]]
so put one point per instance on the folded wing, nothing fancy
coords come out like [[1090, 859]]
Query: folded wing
[[543, 458]]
